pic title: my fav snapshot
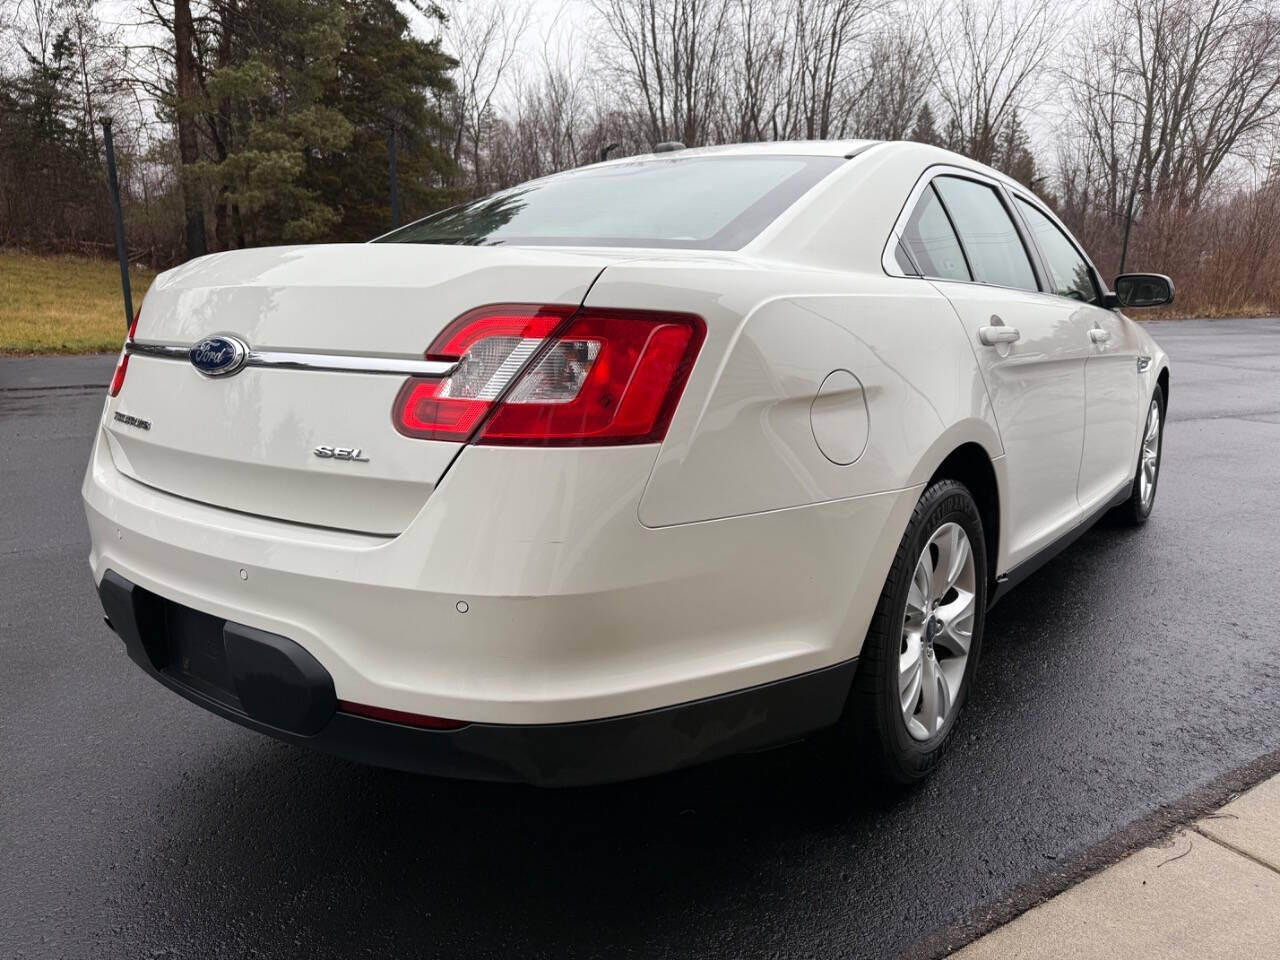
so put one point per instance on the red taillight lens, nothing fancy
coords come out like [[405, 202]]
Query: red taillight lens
[[612, 376], [122, 365], [555, 376], [117, 379]]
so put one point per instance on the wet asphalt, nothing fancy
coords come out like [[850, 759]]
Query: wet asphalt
[[1132, 681]]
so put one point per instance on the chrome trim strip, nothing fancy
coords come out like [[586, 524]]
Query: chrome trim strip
[[162, 350], [333, 363], [337, 363]]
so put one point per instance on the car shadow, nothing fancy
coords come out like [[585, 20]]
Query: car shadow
[[355, 856], [347, 860]]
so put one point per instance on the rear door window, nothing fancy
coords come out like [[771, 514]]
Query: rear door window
[[931, 241], [991, 243]]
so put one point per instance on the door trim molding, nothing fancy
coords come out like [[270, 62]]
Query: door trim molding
[[1025, 568]]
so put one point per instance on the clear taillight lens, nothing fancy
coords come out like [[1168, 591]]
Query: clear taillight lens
[[554, 376], [492, 345], [559, 374]]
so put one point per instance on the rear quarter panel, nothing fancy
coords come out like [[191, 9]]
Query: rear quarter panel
[[742, 440]]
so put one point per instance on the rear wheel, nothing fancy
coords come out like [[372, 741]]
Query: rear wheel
[[1142, 497], [921, 650]]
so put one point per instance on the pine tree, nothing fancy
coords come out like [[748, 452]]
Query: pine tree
[[1013, 152], [286, 55], [925, 130], [49, 177], [953, 138], [306, 92], [386, 78]]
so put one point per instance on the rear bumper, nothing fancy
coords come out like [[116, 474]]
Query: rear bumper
[[276, 687], [526, 591]]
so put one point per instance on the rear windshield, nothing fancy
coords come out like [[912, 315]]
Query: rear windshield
[[708, 203]]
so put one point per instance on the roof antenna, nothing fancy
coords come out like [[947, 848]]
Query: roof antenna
[[605, 151]]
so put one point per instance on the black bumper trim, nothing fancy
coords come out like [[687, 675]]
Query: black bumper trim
[[555, 754]]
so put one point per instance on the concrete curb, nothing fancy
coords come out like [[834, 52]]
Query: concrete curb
[[1211, 890]]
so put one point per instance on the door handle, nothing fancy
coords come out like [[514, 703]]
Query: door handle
[[990, 336], [1098, 335]]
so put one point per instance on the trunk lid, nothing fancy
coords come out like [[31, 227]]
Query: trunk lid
[[247, 442]]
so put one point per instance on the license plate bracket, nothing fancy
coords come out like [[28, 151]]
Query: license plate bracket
[[196, 652]]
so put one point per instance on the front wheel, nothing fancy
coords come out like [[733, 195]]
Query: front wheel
[[921, 650]]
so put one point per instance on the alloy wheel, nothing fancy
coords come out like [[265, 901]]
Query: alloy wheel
[[937, 630], [1150, 465]]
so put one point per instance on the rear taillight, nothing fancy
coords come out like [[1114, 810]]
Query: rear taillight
[[491, 345], [122, 365], [554, 376]]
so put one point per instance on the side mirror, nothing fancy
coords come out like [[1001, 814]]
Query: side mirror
[[1143, 290]]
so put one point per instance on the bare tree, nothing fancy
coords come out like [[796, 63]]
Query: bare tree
[[801, 67], [987, 57], [1212, 81], [543, 131], [755, 70], [187, 88], [1164, 101], [485, 39], [895, 78], [93, 48], [668, 56], [1102, 113], [824, 62], [8, 12]]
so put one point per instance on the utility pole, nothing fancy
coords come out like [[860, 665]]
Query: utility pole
[[395, 186], [1133, 195], [1128, 223], [122, 251]]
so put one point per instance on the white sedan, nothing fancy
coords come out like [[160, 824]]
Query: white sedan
[[624, 469]]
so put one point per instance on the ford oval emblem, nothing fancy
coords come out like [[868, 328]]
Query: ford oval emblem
[[219, 356]]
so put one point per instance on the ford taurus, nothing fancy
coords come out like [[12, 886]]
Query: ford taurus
[[624, 469]]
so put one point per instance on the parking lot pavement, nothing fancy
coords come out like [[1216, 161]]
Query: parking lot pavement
[[1130, 683], [56, 373]]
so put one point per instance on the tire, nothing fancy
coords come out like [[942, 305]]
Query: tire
[[897, 736], [1135, 510]]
